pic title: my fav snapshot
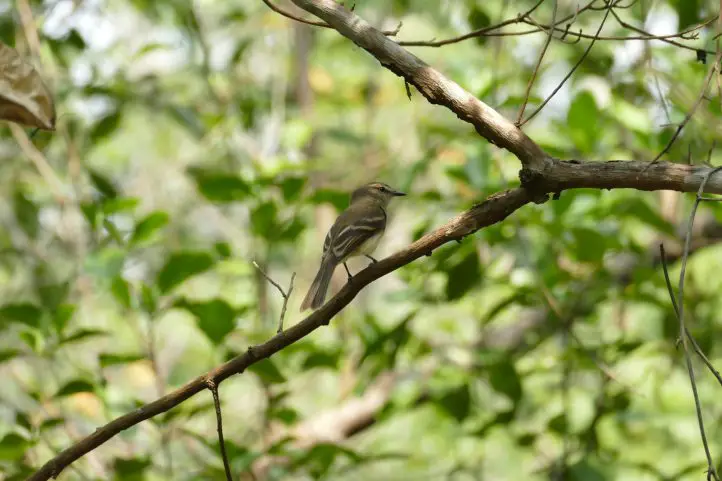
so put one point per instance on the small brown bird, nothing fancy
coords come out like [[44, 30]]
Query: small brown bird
[[356, 232]]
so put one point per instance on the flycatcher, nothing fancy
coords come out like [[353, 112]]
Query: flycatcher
[[356, 232]]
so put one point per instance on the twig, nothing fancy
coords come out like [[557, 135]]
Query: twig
[[697, 349], [486, 31], [538, 65], [41, 163], [315, 23], [284, 294], [213, 387], [579, 62], [691, 112], [684, 333]]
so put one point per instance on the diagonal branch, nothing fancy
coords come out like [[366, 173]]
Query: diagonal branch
[[495, 209], [431, 83]]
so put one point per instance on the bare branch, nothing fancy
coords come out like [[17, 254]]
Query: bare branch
[[433, 85], [684, 334], [574, 68], [692, 110], [537, 66], [482, 32], [315, 23], [494, 209], [698, 350], [285, 294], [213, 387]]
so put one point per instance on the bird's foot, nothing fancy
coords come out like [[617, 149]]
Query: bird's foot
[[373, 261]]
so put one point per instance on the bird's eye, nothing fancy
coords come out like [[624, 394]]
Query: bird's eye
[[383, 189]]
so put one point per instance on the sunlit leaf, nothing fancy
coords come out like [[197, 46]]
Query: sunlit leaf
[[148, 227], [106, 360], [121, 291], [13, 447]]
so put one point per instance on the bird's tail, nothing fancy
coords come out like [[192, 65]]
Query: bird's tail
[[317, 292]]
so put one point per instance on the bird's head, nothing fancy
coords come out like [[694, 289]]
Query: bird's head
[[376, 191]]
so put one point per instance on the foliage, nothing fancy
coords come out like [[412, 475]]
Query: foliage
[[193, 139]]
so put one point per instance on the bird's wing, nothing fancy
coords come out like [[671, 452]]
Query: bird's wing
[[351, 230]]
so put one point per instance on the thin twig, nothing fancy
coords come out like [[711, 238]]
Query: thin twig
[[315, 23], [579, 62], [698, 350], [486, 31], [213, 387], [285, 294], [538, 65], [40, 162], [683, 332], [688, 117]]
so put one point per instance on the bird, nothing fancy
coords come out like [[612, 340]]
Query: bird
[[356, 232]]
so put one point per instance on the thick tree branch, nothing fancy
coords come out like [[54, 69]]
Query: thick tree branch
[[495, 209], [431, 83], [621, 174]]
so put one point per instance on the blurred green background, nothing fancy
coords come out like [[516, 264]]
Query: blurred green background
[[196, 137]]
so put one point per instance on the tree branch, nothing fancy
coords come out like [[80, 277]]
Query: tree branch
[[432, 84], [540, 175], [494, 209]]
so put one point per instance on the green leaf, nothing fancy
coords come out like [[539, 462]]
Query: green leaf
[[631, 116], [337, 198], [223, 249], [463, 276], [130, 469], [50, 423], [148, 299], [263, 220], [321, 359], [106, 360], [23, 312], [583, 130], [26, 214], [216, 318], [13, 447], [457, 402], [121, 291], [73, 387], [638, 208], [52, 294], [146, 228], [292, 187], [82, 335], [220, 186], [8, 354], [181, 266], [91, 213], [267, 371], [119, 204], [63, 313], [589, 245], [106, 126], [102, 184], [504, 378]]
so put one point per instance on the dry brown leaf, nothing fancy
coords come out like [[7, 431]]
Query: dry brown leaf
[[24, 98]]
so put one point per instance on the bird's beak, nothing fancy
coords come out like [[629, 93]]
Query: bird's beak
[[397, 193]]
